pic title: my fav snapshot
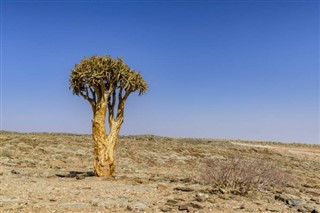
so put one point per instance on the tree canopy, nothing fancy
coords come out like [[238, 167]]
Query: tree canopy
[[104, 79]]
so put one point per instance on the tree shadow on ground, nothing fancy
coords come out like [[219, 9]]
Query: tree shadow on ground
[[76, 174]]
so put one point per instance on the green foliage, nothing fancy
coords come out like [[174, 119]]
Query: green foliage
[[98, 75]]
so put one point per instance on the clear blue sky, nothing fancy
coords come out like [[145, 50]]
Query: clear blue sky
[[233, 69]]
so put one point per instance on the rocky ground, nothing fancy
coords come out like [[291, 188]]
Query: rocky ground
[[53, 173]]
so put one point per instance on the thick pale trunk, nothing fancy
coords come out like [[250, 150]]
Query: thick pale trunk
[[104, 162]]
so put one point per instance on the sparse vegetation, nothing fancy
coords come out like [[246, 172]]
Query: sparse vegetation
[[41, 172], [240, 174]]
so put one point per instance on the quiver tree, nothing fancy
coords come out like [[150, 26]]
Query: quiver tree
[[106, 84]]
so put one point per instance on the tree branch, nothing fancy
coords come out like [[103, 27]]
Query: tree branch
[[113, 100], [120, 94], [111, 104], [85, 96], [120, 111], [126, 95], [98, 93], [103, 89], [93, 95]]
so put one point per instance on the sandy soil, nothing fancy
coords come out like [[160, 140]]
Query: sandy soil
[[53, 173]]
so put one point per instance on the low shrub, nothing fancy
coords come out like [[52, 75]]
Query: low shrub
[[242, 174]]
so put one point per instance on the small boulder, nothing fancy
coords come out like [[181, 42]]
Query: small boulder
[[166, 209], [213, 190], [171, 202], [293, 202], [309, 207], [80, 176], [273, 209], [201, 197], [15, 172], [183, 207], [280, 197], [130, 208], [137, 206], [196, 205], [184, 189], [222, 191], [302, 209], [161, 187]]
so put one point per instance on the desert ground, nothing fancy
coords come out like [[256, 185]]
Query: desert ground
[[44, 172]]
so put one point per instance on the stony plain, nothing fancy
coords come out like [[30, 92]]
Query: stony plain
[[43, 172]]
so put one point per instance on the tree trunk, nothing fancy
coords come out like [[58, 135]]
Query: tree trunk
[[104, 162]]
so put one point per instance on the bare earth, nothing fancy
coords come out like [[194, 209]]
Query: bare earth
[[53, 173]]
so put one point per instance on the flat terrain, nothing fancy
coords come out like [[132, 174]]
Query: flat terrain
[[53, 173]]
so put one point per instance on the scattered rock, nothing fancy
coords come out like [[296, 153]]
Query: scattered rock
[[222, 191], [94, 203], [309, 207], [213, 191], [211, 200], [130, 208], [46, 174], [171, 202], [201, 197], [184, 189], [10, 199], [186, 180], [166, 209], [288, 200], [313, 192], [184, 207], [15, 172], [161, 187], [236, 192], [196, 205], [123, 192], [80, 176], [273, 209], [301, 209], [78, 205], [259, 203], [290, 185], [224, 197], [293, 202], [140, 206], [141, 180], [306, 185], [280, 198], [137, 206], [315, 200]]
